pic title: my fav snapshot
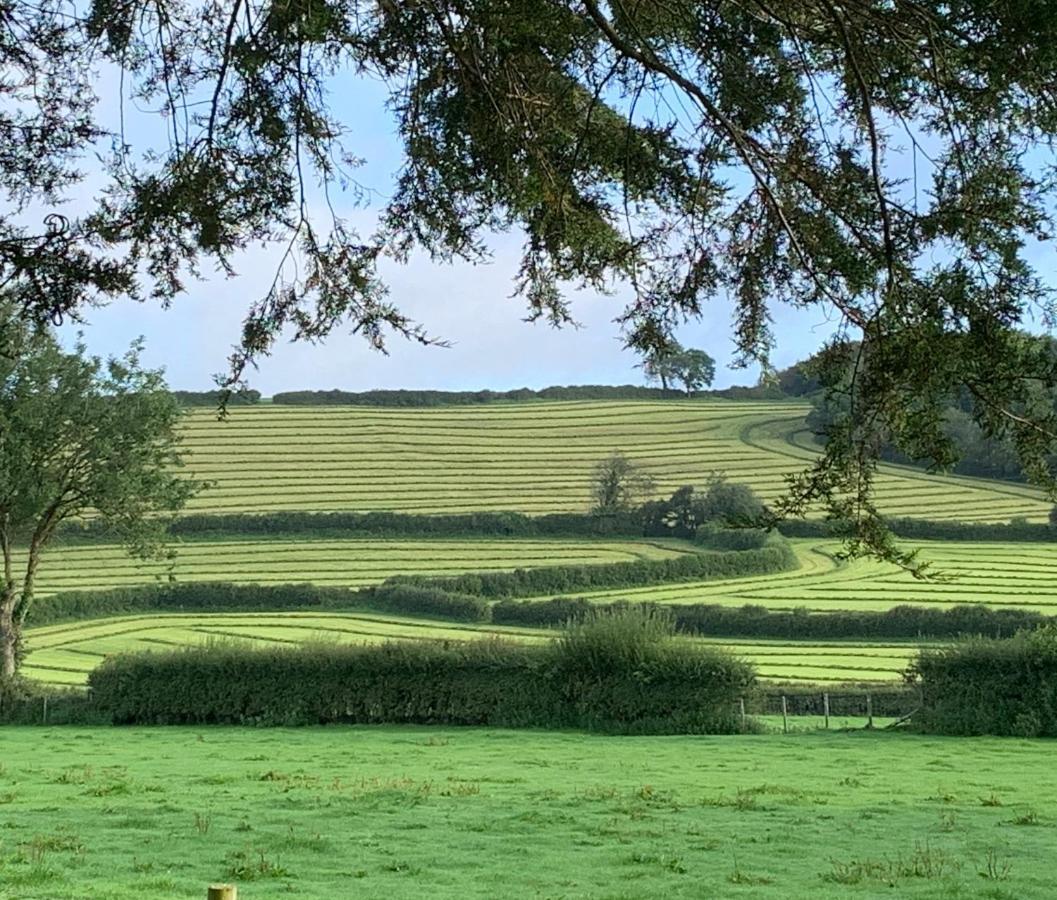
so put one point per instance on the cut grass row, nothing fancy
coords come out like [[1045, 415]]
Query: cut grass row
[[472, 813], [330, 561], [533, 458], [1022, 575], [65, 654]]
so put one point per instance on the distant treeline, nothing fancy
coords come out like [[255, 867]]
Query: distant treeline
[[212, 398], [512, 524], [471, 398]]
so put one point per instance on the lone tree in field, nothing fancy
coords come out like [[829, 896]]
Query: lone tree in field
[[694, 370], [77, 435], [888, 163], [619, 485]]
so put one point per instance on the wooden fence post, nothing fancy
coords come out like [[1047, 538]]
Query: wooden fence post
[[785, 714], [222, 892], [741, 703], [44, 714], [825, 707], [869, 711]]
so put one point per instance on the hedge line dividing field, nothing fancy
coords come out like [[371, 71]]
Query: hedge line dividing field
[[620, 672]]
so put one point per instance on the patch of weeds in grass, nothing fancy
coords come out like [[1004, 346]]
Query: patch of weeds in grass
[[925, 862], [434, 742], [668, 862], [38, 846], [400, 867], [742, 801], [849, 782], [460, 789], [252, 865], [991, 799], [314, 843], [244, 825], [739, 876], [74, 775], [996, 867], [948, 822], [597, 793], [203, 821], [1028, 817], [8, 797], [942, 796]]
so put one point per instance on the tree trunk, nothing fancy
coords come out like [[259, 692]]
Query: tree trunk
[[664, 381], [8, 641]]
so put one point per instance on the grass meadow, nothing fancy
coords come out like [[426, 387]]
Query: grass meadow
[[405, 812]]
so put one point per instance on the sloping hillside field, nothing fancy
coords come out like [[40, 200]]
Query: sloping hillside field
[[530, 457]]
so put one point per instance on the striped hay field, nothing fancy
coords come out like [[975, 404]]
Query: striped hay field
[[1020, 575], [65, 654], [530, 457], [330, 561]]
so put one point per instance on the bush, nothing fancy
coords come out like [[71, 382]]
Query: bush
[[708, 619], [987, 686], [410, 600], [673, 687], [776, 556]]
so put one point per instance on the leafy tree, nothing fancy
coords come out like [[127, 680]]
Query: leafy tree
[[77, 436], [659, 364], [731, 504], [694, 369], [771, 168], [619, 485]]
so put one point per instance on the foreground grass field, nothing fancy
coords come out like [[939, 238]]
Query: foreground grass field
[[407, 813], [65, 654], [531, 457]]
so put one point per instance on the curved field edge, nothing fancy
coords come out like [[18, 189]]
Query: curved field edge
[[65, 654], [533, 458]]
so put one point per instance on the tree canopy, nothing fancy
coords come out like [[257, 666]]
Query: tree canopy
[[78, 435], [890, 162]]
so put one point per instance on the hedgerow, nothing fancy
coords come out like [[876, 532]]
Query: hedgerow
[[665, 685], [904, 622], [777, 556], [988, 686]]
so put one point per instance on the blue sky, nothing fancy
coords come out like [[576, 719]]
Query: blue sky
[[470, 306]]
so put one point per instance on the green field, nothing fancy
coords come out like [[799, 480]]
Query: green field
[[530, 457], [331, 561], [65, 654], [1021, 575], [131, 813]]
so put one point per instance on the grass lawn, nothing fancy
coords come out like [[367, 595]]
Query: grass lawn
[[413, 812]]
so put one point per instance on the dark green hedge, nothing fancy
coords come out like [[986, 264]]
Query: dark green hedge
[[388, 524], [933, 530], [469, 398], [675, 688], [904, 622], [987, 686], [777, 556], [212, 398]]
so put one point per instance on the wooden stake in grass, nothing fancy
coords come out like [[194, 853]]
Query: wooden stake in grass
[[869, 711], [785, 714], [222, 892], [741, 703], [825, 707]]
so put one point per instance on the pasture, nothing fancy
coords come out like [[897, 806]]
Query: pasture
[[338, 812], [531, 457], [1015, 575], [65, 654], [352, 562]]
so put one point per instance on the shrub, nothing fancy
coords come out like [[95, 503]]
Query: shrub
[[408, 599], [987, 686], [673, 687]]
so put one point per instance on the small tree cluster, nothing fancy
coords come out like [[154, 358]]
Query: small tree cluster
[[674, 364]]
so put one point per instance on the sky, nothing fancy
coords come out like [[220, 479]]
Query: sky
[[469, 306]]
